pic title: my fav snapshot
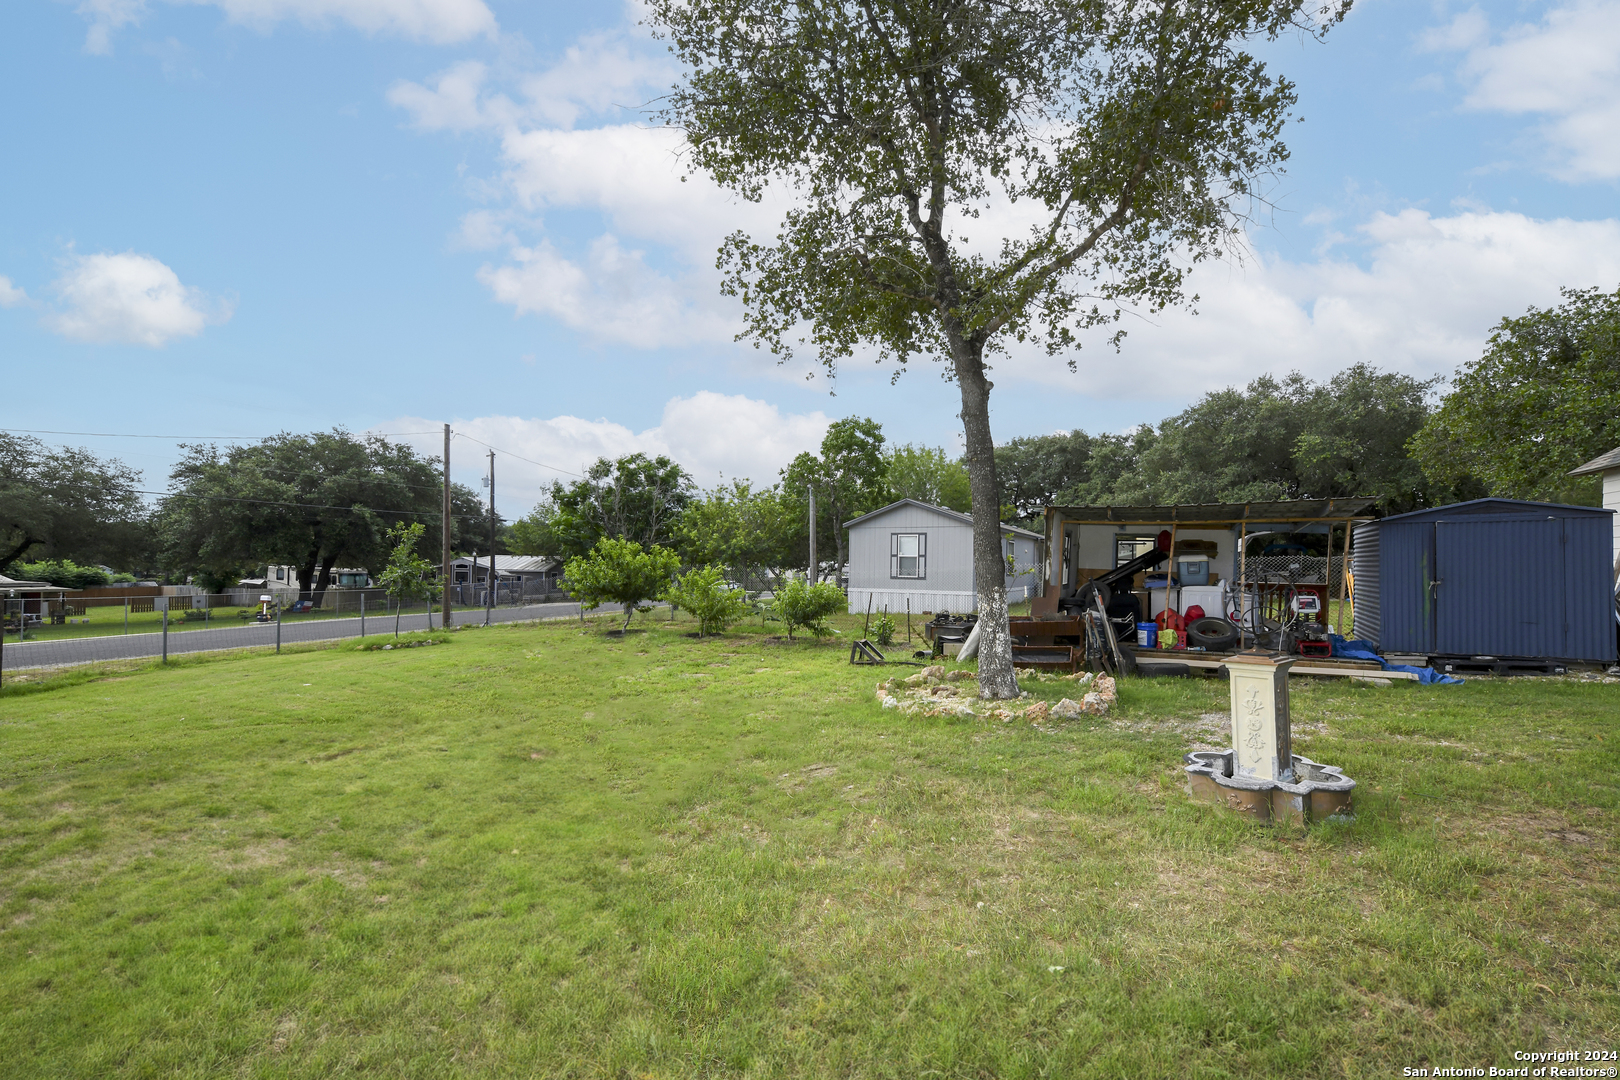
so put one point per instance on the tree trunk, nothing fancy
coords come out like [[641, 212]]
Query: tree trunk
[[324, 579], [997, 680], [306, 573]]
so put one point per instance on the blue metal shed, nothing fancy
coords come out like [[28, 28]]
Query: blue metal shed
[[1497, 577]]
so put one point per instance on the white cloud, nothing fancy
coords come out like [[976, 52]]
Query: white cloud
[[603, 74], [710, 434], [105, 17], [1429, 294], [437, 21], [11, 295], [1566, 69], [132, 299]]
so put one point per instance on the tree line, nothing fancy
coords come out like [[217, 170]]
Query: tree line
[[1543, 398]]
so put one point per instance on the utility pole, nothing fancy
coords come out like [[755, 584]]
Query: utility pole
[[444, 529], [489, 595], [812, 492]]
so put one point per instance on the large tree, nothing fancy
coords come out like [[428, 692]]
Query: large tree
[[849, 478], [739, 528], [315, 502], [1543, 399], [928, 474], [1123, 132], [634, 497], [67, 503], [1289, 438]]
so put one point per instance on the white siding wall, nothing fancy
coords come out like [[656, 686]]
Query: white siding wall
[[949, 565], [948, 585], [1611, 501]]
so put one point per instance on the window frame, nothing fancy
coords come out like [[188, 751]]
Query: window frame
[[921, 557], [1134, 539]]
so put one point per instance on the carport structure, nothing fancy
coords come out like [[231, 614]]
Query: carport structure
[[1084, 542]]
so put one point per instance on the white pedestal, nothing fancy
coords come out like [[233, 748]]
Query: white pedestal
[[1261, 739]]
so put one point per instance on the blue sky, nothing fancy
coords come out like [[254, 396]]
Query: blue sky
[[233, 217]]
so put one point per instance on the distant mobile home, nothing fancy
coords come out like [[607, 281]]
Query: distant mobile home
[[912, 551]]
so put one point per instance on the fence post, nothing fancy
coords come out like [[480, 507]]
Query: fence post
[[126, 616], [278, 625], [363, 615], [165, 633]]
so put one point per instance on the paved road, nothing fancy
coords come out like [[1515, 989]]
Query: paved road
[[88, 650]]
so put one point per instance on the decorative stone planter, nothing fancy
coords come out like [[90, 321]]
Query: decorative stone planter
[[1320, 792], [1261, 777]]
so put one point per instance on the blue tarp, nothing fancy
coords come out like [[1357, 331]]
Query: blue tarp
[[1361, 650]]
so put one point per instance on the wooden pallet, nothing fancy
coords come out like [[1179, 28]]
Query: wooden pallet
[[1306, 665]]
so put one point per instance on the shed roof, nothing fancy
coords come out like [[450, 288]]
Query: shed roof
[[28, 586], [1601, 463], [957, 514], [1286, 511], [518, 564], [1486, 507]]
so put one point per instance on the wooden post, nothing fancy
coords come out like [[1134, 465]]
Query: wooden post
[[1344, 580]]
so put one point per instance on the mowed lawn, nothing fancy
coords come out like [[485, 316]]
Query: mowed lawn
[[540, 851]]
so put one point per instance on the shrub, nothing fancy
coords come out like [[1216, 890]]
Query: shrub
[[620, 572], [64, 573], [883, 630], [703, 592], [798, 603]]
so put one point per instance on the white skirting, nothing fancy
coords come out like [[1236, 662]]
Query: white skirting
[[936, 602]]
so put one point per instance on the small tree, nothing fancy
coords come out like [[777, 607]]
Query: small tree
[[406, 575], [704, 593], [621, 572], [798, 603]]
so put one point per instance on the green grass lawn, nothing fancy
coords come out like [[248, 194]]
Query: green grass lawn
[[539, 851]]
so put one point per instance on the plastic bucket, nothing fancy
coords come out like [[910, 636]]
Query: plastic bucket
[[1147, 634]]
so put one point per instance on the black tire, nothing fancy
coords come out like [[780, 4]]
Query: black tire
[[1155, 671], [1212, 633]]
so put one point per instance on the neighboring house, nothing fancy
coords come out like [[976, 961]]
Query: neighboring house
[[531, 574], [1608, 467], [29, 598], [911, 551], [287, 577]]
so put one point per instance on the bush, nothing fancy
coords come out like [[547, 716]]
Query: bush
[[705, 594], [798, 603], [883, 630], [64, 574], [620, 572]]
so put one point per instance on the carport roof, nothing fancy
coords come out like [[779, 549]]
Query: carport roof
[[1289, 511]]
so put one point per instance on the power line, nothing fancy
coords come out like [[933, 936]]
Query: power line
[[221, 438], [479, 516], [520, 457]]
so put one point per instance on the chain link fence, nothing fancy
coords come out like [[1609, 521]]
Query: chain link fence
[[52, 632]]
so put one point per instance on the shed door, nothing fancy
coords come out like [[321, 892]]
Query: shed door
[[1499, 588]]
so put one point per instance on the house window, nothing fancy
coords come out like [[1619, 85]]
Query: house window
[[908, 555], [461, 577], [1012, 556], [281, 573]]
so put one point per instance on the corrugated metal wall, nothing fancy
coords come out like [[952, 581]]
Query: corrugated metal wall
[[1406, 604], [1497, 578], [1501, 590], [1589, 560], [1364, 597]]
